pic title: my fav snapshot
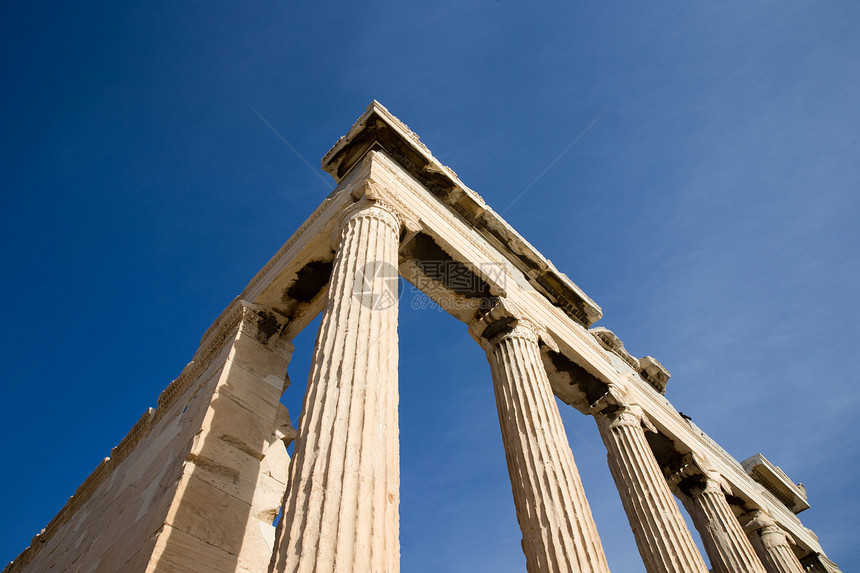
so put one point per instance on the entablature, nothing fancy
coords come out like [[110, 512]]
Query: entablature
[[378, 130], [651, 371]]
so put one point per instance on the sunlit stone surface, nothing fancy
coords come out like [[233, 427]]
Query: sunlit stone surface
[[197, 482]]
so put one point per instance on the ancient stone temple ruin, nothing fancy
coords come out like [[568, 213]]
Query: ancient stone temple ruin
[[199, 480]]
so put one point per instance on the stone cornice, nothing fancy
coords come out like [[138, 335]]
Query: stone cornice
[[654, 372], [612, 343], [381, 161], [378, 130], [774, 479], [651, 371]]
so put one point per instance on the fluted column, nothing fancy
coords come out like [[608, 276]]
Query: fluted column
[[771, 544], [725, 541], [341, 512], [559, 534], [664, 541]]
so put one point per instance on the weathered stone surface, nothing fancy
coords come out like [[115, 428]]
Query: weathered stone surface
[[176, 550], [209, 465], [662, 537], [774, 479], [198, 503], [728, 547], [341, 512], [559, 534], [199, 473], [226, 490], [703, 491], [119, 519], [771, 544]]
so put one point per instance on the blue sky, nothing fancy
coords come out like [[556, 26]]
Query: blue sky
[[712, 211]]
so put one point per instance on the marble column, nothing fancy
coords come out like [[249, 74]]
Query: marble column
[[341, 513], [771, 544], [664, 541], [559, 534], [727, 545]]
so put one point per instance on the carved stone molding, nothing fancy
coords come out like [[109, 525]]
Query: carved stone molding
[[648, 367], [654, 372], [506, 319], [612, 343], [696, 468], [262, 324]]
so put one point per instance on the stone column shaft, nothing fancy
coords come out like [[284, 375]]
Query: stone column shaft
[[725, 541], [341, 512], [559, 534], [772, 546], [664, 541]]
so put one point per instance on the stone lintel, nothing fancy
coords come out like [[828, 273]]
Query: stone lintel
[[774, 479], [378, 130]]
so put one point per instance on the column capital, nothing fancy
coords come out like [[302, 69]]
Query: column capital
[[699, 475], [760, 522], [613, 411], [370, 190], [756, 520], [505, 320], [371, 207]]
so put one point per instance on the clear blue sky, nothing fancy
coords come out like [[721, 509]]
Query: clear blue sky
[[712, 211]]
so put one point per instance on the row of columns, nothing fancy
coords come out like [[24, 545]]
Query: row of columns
[[341, 508]]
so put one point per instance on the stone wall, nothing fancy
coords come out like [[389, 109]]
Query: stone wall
[[197, 482]]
